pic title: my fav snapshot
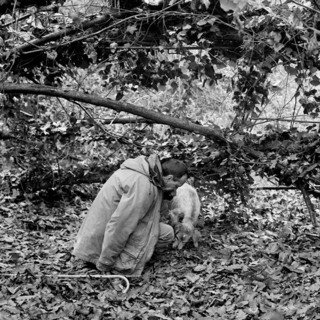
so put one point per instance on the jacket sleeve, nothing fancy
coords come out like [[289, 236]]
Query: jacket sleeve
[[135, 202]]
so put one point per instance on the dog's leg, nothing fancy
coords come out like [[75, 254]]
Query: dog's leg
[[196, 236]]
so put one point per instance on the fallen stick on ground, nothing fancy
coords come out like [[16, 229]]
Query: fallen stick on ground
[[77, 276]]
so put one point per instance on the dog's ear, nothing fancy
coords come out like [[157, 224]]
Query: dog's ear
[[196, 237]]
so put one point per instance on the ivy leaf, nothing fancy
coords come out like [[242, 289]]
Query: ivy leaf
[[174, 86], [131, 29], [206, 3], [315, 81], [209, 71], [308, 170], [153, 2], [292, 71], [202, 22], [276, 36], [233, 5], [119, 96]]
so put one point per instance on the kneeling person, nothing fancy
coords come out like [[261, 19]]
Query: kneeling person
[[123, 226]]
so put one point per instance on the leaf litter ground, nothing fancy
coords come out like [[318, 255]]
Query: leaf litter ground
[[260, 262]]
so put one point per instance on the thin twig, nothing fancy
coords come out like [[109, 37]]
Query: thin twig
[[316, 4], [64, 109], [6, 136], [87, 24], [114, 135], [284, 120], [310, 205], [91, 117], [302, 5], [116, 120], [273, 188], [56, 35], [14, 21]]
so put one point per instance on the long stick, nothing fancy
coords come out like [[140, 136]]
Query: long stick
[[78, 276]]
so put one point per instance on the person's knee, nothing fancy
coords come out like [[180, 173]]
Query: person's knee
[[166, 236]]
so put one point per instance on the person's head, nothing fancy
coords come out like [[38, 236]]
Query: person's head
[[175, 174]]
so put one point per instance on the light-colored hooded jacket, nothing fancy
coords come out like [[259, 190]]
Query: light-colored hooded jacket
[[121, 228]]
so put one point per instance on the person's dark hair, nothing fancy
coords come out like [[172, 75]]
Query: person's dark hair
[[175, 167]]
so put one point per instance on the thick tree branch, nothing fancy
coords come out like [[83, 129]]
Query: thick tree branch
[[157, 117]]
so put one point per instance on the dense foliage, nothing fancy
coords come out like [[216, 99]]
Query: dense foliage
[[258, 257], [114, 49]]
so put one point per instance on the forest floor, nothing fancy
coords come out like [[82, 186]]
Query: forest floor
[[261, 262]]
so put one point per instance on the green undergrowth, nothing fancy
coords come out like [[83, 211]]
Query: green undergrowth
[[252, 261]]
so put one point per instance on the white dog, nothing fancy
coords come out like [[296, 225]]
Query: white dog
[[185, 206]]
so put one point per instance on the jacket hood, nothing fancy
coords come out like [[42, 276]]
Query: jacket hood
[[150, 167], [138, 164]]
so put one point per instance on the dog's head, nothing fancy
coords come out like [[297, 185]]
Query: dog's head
[[183, 234]]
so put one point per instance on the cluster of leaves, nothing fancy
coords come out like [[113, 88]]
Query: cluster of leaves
[[45, 150], [137, 41], [269, 268], [73, 152], [26, 172], [141, 27], [271, 34], [292, 157], [278, 35]]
